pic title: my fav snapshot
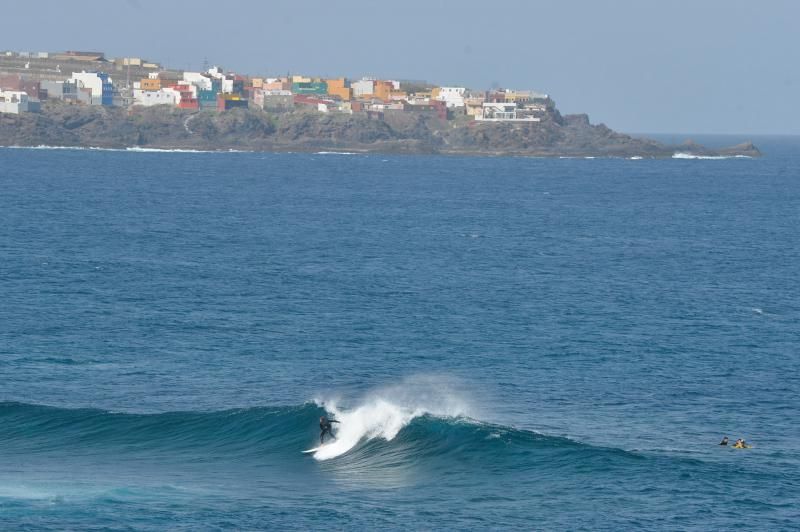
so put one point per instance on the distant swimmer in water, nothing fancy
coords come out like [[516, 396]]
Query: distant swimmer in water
[[741, 444], [325, 427], [724, 441]]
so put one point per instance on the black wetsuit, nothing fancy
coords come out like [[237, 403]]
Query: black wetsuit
[[325, 427]]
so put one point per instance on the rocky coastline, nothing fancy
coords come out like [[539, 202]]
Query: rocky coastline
[[60, 124]]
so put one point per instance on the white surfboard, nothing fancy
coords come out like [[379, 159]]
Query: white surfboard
[[315, 449]]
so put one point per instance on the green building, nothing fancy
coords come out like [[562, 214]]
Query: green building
[[316, 88]]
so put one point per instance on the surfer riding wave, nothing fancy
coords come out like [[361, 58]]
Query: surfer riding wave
[[325, 427]]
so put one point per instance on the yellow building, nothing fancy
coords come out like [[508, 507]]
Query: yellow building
[[518, 96], [148, 84]]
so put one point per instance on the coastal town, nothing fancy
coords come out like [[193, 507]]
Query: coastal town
[[84, 99], [89, 78]]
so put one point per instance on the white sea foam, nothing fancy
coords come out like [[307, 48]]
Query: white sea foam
[[682, 155], [636, 158], [384, 412], [45, 147], [165, 150], [19, 491], [133, 149], [336, 153]]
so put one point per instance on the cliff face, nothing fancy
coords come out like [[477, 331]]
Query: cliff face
[[401, 132]]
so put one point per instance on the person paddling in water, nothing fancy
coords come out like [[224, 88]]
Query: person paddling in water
[[325, 427]]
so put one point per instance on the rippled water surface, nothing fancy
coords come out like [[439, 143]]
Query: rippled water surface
[[507, 342]]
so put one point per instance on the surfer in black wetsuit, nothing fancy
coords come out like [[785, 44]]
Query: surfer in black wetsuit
[[325, 427]]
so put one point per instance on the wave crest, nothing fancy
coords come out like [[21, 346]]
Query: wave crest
[[386, 411]]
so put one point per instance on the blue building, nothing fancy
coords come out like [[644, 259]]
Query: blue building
[[98, 84]]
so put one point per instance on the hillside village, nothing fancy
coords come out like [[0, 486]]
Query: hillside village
[[83, 99], [88, 78]]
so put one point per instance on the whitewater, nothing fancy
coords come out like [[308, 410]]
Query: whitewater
[[383, 413]]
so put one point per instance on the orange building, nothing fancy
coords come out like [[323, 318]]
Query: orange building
[[148, 84], [383, 90], [339, 87]]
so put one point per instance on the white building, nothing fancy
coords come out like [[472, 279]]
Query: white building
[[398, 106], [363, 87], [452, 96], [98, 82], [227, 85], [16, 102], [504, 112], [273, 99], [160, 97], [198, 79]]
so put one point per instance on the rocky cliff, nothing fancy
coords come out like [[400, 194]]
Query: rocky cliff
[[166, 127]]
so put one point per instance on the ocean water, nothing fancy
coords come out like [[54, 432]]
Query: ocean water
[[507, 342]]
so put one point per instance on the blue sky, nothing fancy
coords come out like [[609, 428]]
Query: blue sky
[[678, 66]]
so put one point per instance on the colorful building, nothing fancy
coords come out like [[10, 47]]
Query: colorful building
[[340, 88], [319, 88], [230, 101], [187, 96], [383, 90], [150, 84], [99, 83], [279, 84]]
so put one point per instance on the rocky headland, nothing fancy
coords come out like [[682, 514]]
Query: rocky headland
[[167, 127]]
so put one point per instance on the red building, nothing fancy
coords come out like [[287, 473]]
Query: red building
[[188, 99]]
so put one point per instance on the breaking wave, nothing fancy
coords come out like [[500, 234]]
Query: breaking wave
[[378, 434]]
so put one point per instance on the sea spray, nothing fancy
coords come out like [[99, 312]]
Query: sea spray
[[384, 411]]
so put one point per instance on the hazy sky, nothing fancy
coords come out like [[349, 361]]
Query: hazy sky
[[700, 66]]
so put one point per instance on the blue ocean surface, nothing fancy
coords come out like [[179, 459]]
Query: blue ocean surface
[[507, 342]]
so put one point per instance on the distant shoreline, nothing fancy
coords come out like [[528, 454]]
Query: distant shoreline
[[61, 125]]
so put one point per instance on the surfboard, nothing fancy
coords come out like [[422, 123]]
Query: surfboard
[[315, 449]]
